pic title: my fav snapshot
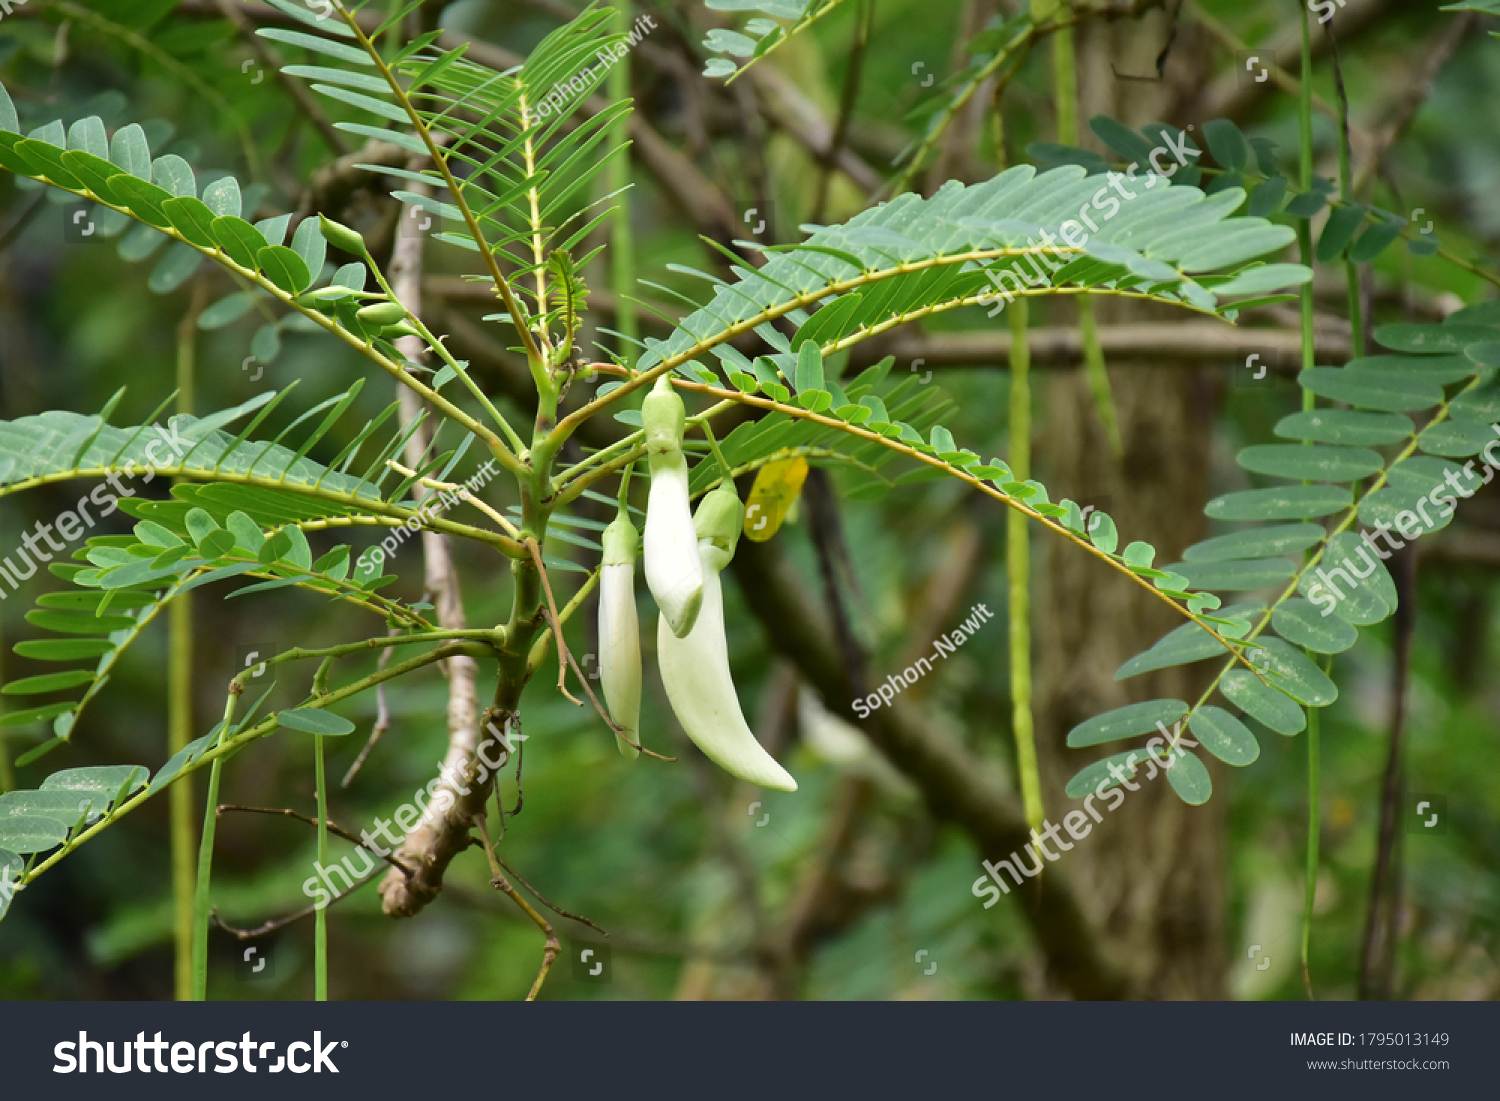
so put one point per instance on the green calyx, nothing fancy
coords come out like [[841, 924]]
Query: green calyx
[[342, 237], [720, 517], [621, 540], [664, 417]]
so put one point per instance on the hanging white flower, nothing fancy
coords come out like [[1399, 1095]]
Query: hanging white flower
[[674, 573], [695, 668]]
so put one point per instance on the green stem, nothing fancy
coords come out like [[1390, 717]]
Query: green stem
[[1346, 192], [509, 461], [534, 356], [495, 637], [624, 497], [713, 445], [7, 773], [206, 858], [1065, 94], [180, 706], [1304, 239], [320, 917], [622, 239], [1313, 816], [1065, 86], [242, 738], [1097, 374], [180, 801], [1018, 570], [1304, 227]]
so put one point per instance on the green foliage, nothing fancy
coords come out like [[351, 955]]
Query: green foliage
[[760, 35], [1436, 371], [37, 821], [506, 168]]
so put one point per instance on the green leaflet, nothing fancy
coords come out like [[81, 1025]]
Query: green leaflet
[[1255, 543], [1227, 144], [1097, 777], [767, 34], [30, 833], [1188, 643], [1441, 369], [1190, 780], [47, 682], [182, 758], [285, 268], [314, 721], [78, 623], [113, 782], [1388, 391], [64, 649], [1292, 672], [1339, 231], [1266, 705], [1346, 426], [1235, 574], [1433, 339], [1302, 624], [1102, 532], [1481, 404], [1126, 722], [1374, 241], [68, 808], [1313, 464], [1425, 473], [1457, 438], [1224, 736], [1280, 503]]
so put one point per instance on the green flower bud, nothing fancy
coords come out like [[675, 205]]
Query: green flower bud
[[620, 542], [663, 416], [382, 314], [342, 237], [619, 632], [720, 517]]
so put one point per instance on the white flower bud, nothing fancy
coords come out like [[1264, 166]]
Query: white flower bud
[[619, 632]]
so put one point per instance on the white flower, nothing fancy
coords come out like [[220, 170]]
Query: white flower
[[695, 668], [674, 573]]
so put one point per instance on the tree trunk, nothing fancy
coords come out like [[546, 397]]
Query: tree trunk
[[1154, 869]]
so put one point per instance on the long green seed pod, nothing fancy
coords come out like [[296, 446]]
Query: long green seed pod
[[695, 668], [674, 573], [619, 632]]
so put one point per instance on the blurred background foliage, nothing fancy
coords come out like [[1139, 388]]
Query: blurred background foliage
[[700, 899]]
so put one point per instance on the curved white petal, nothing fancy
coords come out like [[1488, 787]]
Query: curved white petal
[[620, 651], [674, 572], [700, 687]]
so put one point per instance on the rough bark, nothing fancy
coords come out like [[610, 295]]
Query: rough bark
[[1155, 867], [437, 837]]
